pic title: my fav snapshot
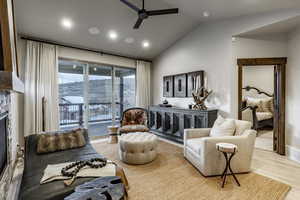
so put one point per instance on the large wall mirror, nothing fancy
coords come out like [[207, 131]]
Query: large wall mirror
[[261, 97]]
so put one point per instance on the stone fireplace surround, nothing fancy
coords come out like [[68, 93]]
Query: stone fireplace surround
[[6, 177]]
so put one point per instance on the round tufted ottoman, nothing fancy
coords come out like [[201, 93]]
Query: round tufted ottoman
[[137, 148]]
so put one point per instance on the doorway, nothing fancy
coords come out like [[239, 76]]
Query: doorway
[[278, 97], [93, 95]]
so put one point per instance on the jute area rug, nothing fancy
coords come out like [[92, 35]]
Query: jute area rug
[[171, 177]]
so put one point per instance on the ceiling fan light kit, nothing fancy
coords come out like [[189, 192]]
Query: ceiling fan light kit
[[144, 14]]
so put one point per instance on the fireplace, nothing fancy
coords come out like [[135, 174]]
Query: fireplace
[[6, 167], [3, 143]]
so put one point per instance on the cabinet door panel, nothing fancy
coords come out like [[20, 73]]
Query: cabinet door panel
[[200, 121]]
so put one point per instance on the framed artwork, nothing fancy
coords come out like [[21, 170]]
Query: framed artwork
[[194, 80], [180, 85], [168, 86]]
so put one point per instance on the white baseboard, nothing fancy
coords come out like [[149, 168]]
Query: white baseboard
[[293, 153]]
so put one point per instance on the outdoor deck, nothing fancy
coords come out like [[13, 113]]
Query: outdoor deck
[[100, 116], [95, 129]]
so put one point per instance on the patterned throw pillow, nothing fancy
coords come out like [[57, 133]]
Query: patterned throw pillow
[[265, 104], [135, 116], [60, 140], [271, 105], [255, 102]]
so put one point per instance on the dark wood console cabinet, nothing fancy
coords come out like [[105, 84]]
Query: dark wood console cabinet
[[170, 122]]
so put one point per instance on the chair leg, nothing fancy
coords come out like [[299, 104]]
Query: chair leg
[[236, 180], [226, 169]]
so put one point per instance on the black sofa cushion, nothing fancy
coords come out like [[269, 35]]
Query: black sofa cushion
[[36, 163]]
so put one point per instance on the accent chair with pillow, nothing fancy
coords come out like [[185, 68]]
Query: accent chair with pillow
[[134, 120], [200, 146]]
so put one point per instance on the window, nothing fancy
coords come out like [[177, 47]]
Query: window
[[93, 95]]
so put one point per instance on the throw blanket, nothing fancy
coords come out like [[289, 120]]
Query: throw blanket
[[53, 172]]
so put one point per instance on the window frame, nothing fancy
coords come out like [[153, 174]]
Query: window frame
[[86, 81]]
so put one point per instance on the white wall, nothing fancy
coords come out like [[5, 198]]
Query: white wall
[[292, 91], [257, 46], [261, 77], [82, 55], [210, 48]]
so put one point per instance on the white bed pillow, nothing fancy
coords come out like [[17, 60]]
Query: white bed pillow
[[223, 127]]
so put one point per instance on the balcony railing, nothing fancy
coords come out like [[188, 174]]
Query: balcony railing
[[73, 113]]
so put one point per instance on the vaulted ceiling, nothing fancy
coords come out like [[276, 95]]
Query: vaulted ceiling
[[42, 19], [282, 28]]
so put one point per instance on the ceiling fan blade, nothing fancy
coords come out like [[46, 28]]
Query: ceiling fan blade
[[138, 23], [163, 12], [131, 5]]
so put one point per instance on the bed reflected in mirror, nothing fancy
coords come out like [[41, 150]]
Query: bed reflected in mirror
[[258, 103]]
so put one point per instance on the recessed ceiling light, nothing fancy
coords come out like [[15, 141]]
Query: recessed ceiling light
[[112, 35], [67, 23], [95, 69], [206, 14], [145, 44], [129, 40], [94, 30]]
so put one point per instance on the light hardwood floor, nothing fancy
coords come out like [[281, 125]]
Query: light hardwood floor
[[264, 140], [280, 168]]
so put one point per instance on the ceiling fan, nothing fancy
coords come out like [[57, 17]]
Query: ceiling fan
[[144, 14]]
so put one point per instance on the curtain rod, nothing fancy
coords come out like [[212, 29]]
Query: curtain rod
[[79, 48]]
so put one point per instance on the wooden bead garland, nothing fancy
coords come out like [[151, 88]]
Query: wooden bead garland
[[93, 163]]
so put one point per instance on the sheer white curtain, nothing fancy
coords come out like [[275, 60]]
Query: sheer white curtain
[[143, 71], [41, 80]]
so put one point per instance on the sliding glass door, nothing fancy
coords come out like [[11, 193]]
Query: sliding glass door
[[71, 93], [124, 83], [100, 92], [94, 96]]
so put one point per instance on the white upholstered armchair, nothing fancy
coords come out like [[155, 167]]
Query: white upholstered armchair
[[200, 149]]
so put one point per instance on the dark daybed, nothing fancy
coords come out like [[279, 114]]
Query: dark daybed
[[31, 189]]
